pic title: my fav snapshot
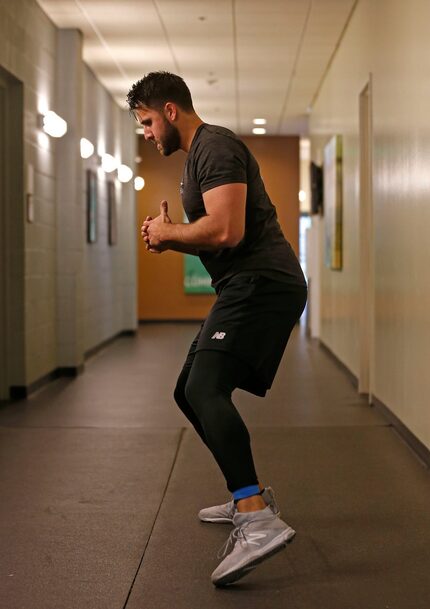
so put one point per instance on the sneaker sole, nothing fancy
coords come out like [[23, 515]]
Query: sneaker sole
[[224, 520], [277, 544], [217, 520]]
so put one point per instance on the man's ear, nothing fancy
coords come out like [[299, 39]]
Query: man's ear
[[171, 111]]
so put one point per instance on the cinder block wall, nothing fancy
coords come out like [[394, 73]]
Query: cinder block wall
[[28, 51], [109, 271]]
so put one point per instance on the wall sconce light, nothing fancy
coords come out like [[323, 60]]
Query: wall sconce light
[[52, 124], [124, 173], [87, 148], [109, 163], [139, 183]]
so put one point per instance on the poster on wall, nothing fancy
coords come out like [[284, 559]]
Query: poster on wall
[[333, 203], [196, 278], [112, 215], [91, 206]]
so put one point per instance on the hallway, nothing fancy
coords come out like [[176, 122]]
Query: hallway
[[102, 480]]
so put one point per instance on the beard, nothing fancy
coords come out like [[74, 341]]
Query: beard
[[171, 140]]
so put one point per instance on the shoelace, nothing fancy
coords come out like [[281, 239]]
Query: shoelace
[[237, 534]]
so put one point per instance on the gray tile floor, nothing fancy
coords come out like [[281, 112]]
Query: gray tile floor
[[101, 479]]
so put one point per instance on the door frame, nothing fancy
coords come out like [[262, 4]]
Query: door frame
[[4, 387], [366, 241], [12, 235]]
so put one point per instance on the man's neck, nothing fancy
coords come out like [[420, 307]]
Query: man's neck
[[188, 130]]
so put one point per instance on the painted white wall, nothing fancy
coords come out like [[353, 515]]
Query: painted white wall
[[313, 254], [389, 39], [28, 51], [69, 202]]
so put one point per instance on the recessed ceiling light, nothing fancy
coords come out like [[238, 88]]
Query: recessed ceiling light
[[140, 131], [259, 121], [259, 131]]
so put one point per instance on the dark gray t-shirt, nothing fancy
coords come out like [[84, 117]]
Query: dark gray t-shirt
[[216, 157]]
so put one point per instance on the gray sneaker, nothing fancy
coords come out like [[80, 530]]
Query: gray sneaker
[[257, 536], [225, 513]]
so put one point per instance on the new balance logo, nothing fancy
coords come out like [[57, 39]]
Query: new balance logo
[[253, 537], [218, 335]]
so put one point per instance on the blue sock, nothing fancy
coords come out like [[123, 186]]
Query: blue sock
[[246, 491]]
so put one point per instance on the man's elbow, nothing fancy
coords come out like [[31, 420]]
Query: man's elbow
[[231, 239]]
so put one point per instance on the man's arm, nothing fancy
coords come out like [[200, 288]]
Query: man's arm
[[184, 249], [222, 227]]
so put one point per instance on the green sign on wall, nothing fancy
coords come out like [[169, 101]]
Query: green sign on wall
[[196, 278]]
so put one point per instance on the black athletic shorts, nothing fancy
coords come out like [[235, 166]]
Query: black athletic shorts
[[252, 319]]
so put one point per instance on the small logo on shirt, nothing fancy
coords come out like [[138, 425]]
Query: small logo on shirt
[[218, 335]]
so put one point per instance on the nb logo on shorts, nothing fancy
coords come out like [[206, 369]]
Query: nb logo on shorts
[[218, 335]]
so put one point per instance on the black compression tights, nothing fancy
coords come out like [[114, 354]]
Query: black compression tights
[[203, 393]]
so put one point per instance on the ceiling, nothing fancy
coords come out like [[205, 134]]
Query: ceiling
[[241, 59]]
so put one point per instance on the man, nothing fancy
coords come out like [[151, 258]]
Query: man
[[261, 293]]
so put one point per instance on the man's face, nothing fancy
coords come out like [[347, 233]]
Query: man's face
[[158, 130]]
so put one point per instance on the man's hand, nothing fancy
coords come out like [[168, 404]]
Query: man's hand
[[152, 230], [144, 232]]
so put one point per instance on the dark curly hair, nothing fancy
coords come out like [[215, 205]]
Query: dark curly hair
[[157, 88]]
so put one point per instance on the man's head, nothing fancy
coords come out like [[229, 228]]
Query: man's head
[[156, 100], [156, 89]]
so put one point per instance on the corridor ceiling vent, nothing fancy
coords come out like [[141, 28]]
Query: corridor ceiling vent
[[52, 124], [87, 148], [109, 163], [139, 183], [124, 174]]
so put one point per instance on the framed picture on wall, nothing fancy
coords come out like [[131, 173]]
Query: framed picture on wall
[[112, 215], [91, 206], [196, 278], [332, 184]]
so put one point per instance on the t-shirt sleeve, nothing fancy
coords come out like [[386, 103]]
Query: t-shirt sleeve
[[221, 160]]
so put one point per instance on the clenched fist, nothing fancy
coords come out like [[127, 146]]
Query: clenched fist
[[152, 230]]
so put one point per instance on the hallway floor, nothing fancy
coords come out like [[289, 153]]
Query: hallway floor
[[101, 479]]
